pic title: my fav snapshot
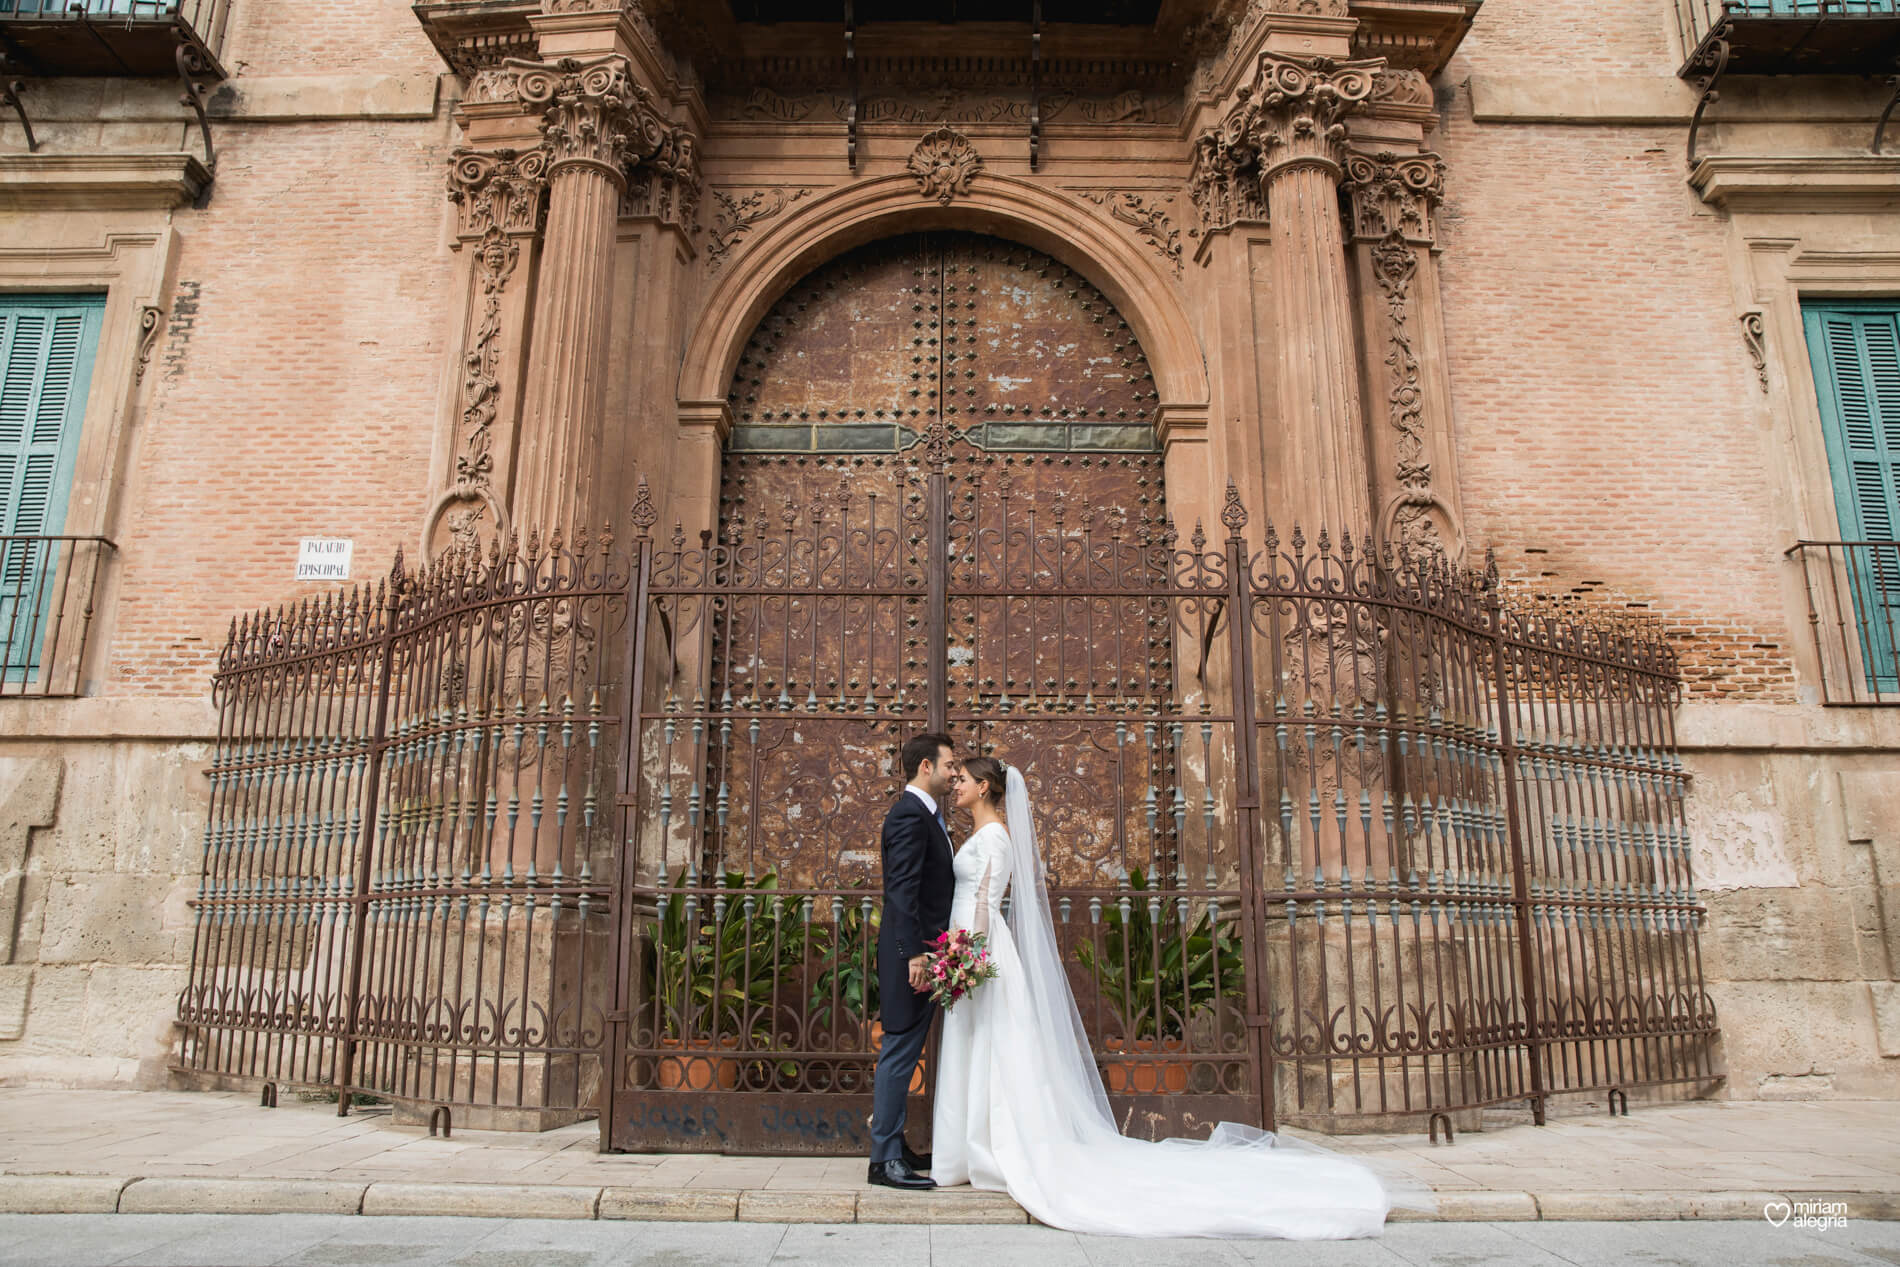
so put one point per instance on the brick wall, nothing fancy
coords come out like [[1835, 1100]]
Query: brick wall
[[1613, 440], [299, 397]]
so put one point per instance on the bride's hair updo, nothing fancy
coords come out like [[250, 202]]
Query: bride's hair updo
[[989, 772]]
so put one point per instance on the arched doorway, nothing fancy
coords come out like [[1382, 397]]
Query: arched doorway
[[942, 506]]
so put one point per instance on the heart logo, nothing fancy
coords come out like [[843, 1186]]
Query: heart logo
[[1777, 1212]]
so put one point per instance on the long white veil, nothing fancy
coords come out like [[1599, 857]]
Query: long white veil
[[1228, 1184]]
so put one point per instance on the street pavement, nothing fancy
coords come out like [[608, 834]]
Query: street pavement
[[314, 1240]]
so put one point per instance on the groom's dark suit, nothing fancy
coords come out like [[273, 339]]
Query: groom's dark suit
[[919, 881]]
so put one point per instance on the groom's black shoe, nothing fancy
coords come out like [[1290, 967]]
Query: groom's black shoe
[[916, 1161], [895, 1173]]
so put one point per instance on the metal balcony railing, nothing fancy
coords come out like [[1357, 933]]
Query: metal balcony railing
[[114, 37], [1779, 37], [49, 587], [1853, 590]]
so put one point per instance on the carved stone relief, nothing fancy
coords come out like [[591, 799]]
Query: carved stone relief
[[1414, 518], [944, 164], [734, 217], [1755, 337], [664, 186], [1150, 220]]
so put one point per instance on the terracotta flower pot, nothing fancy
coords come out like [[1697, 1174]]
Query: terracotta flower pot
[[1145, 1077], [699, 1073], [877, 1045]]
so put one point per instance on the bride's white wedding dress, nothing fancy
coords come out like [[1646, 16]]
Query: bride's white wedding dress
[[1020, 1105]]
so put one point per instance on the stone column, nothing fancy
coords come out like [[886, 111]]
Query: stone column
[[595, 121], [1284, 133]]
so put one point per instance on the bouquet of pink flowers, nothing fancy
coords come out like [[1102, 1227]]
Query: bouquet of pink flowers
[[959, 962]]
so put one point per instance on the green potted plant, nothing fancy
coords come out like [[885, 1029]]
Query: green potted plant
[[716, 972], [1157, 975]]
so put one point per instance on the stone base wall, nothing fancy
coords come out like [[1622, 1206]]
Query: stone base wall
[[100, 842]]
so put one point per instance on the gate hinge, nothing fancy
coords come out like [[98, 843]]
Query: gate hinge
[[626, 801]]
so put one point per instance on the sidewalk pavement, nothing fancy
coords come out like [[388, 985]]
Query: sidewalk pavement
[[163, 1152]]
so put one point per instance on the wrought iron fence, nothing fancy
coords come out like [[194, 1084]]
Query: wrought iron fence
[[49, 587], [1853, 590], [1331, 835], [408, 863]]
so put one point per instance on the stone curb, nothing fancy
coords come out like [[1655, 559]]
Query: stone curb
[[241, 1196], [60, 1194], [104, 1194], [483, 1200]]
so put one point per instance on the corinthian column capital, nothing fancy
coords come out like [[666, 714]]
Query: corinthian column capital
[[497, 189], [592, 112], [1292, 114], [1394, 193]]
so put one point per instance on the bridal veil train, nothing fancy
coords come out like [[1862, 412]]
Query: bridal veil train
[[1020, 1105]]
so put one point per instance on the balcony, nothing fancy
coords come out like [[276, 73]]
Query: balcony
[[1853, 590], [1789, 37], [49, 587], [113, 37]]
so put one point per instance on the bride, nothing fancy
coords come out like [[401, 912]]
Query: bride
[[1020, 1107]]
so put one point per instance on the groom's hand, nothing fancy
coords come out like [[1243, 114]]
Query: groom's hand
[[919, 975]]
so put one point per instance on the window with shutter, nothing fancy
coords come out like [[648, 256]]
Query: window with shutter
[[1855, 348], [46, 350]]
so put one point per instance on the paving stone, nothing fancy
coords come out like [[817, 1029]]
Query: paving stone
[[240, 1196], [482, 1200], [669, 1205], [60, 1194], [798, 1207]]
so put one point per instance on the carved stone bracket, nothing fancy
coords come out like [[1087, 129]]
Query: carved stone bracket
[[734, 217], [1153, 223], [1755, 337], [1394, 193], [151, 324], [944, 163], [498, 189]]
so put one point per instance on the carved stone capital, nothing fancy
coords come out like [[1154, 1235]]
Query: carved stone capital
[[497, 189], [1294, 110], [1394, 193], [592, 112], [665, 185], [1291, 115]]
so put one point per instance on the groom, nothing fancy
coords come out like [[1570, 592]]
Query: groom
[[919, 880]]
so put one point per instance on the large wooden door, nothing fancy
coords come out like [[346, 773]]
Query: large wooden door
[[942, 507]]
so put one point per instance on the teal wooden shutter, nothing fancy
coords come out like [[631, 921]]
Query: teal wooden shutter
[[47, 344], [1856, 353]]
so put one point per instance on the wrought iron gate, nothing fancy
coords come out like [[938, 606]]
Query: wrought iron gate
[[575, 828]]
